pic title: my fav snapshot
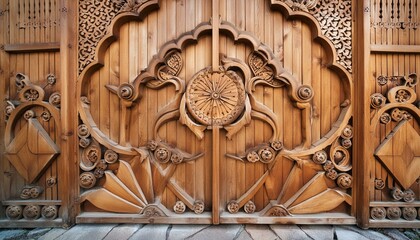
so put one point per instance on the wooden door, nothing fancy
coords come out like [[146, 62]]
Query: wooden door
[[213, 112], [209, 111]]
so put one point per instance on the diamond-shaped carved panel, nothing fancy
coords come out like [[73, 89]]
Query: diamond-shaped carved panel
[[31, 151], [400, 153]]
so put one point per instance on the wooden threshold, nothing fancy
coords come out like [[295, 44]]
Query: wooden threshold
[[401, 223], [23, 223], [32, 47], [375, 48], [395, 204], [103, 217], [327, 218], [31, 202]]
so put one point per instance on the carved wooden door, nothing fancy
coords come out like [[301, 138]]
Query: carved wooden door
[[213, 111]]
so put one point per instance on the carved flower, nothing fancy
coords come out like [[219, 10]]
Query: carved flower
[[198, 207], [162, 155], [409, 195], [346, 143], [332, 174], [87, 180], [267, 154], [176, 158], [249, 207], [378, 213], [31, 95], [402, 95], [14, 212], [320, 157], [277, 145], [379, 184], [393, 213], [179, 207], [233, 206], [409, 213], [385, 118], [252, 157], [110, 156], [344, 180], [397, 193], [29, 114]]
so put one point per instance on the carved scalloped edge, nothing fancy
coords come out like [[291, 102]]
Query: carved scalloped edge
[[410, 107]]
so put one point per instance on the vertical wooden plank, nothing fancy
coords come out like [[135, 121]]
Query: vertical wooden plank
[[216, 174], [68, 68], [362, 150]]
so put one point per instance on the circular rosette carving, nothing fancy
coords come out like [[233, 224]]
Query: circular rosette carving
[[29, 114], [397, 193], [9, 108], [32, 212], [233, 206], [14, 212], [215, 98], [377, 100], [90, 157], [31, 94], [276, 145], [409, 195], [277, 211], [305, 93], [163, 155], [84, 142], [51, 181], [252, 156], [250, 207], [402, 94], [49, 212], [346, 143], [385, 118], [378, 213], [382, 80], [87, 180], [176, 158], [51, 79], [332, 174], [179, 207], [267, 154], [393, 213], [126, 91], [409, 213], [83, 131], [45, 116], [341, 159], [110, 156], [379, 184], [320, 157], [198, 207], [55, 99], [347, 132], [328, 166], [344, 180]]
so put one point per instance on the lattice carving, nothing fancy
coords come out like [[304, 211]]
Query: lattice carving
[[395, 14], [335, 18]]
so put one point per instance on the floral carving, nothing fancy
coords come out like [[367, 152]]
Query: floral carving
[[162, 155], [179, 207], [346, 143], [83, 131], [250, 207], [409, 195], [29, 114], [233, 206], [32, 212], [87, 180], [344, 180], [267, 154], [198, 207], [301, 5], [409, 213], [385, 118], [277, 211], [84, 142], [45, 116], [332, 174], [31, 95], [378, 213], [305, 93], [51, 181], [277, 145], [29, 192], [377, 100], [252, 156], [14, 212], [49, 212], [215, 98], [151, 211], [402, 96], [397, 193], [10, 107], [320, 157], [55, 99], [379, 184], [393, 213], [110, 156]]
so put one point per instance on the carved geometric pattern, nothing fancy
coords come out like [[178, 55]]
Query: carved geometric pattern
[[336, 26], [31, 150], [400, 153]]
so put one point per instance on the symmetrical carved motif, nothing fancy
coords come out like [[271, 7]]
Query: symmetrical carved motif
[[31, 149], [395, 14], [29, 192], [394, 213], [14, 212], [303, 5], [31, 212]]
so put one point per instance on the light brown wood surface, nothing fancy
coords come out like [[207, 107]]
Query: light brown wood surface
[[199, 111]]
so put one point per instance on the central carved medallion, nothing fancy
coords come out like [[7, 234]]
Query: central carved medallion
[[215, 98]]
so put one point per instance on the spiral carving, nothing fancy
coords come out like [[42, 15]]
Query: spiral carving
[[14, 212], [397, 193], [110, 156], [29, 114], [126, 91], [305, 93], [397, 115], [55, 99], [385, 118], [83, 131], [379, 184], [347, 132], [393, 213], [378, 213], [84, 142], [198, 207], [49, 212], [179, 207], [377, 100], [233, 206], [250, 207], [409, 195], [46, 116], [409, 213], [320, 157], [32, 212], [341, 159], [344, 180], [87, 180], [90, 157]]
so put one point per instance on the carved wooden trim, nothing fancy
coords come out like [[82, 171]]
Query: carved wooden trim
[[335, 25]]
